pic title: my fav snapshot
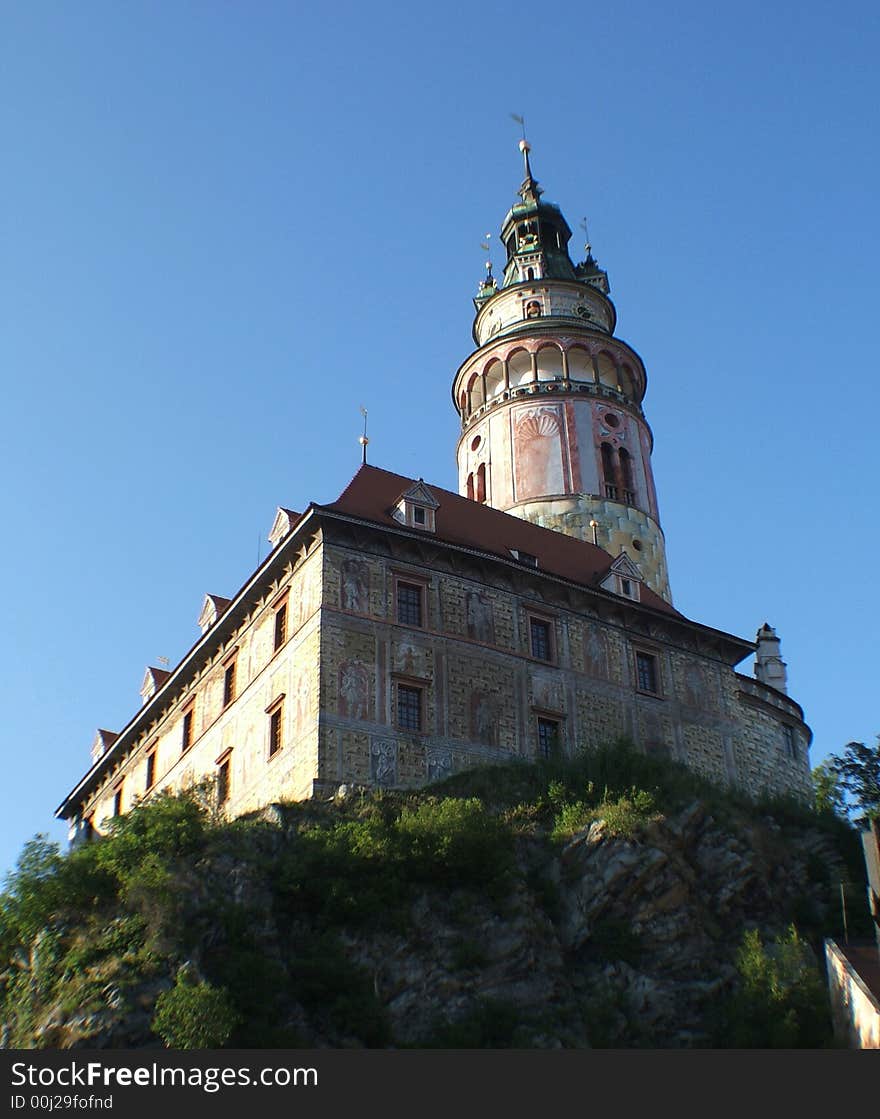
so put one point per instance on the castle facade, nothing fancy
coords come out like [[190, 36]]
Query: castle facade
[[404, 632]]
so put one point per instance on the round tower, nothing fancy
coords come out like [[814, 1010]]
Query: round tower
[[552, 427]]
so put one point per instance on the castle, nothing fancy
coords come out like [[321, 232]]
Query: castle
[[403, 632]]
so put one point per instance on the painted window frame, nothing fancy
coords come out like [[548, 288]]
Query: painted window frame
[[652, 656], [415, 583], [188, 728], [280, 622], [533, 619], [416, 688], [275, 729], [546, 719], [230, 679]]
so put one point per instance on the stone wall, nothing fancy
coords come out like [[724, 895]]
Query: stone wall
[[238, 732], [483, 692], [337, 675]]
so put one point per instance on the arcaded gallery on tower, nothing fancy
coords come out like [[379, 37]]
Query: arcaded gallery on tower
[[403, 632]]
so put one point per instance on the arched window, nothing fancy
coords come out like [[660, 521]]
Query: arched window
[[530, 273], [626, 475], [481, 482], [470, 487], [608, 471]]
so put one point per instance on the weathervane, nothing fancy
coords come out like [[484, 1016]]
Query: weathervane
[[588, 248], [484, 245], [362, 439]]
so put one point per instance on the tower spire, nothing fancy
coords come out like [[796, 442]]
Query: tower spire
[[529, 191]]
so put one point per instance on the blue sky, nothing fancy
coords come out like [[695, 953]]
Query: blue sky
[[227, 226]]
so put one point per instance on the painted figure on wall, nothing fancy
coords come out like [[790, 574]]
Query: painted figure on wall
[[482, 719], [596, 654], [480, 619], [302, 702], [383, 762], [438, 764], [355, 587], [354, 690]]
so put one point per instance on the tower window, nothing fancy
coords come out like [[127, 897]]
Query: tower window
[[626, 475], [409, 707], [647, 674], [481, 482], [790, 741], [608, 471], [540, 639], [548, 738], [409, 603], [470, 487]]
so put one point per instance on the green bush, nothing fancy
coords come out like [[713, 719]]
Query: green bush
[[193, 1015], [622, 816], [781, 1002], [455, 841]]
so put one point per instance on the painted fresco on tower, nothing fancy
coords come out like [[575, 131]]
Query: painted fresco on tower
[[547, 691], [596, 653], [538, 457], [483, 721], [586, 440], [302, 692], [480, 618], [354, 690], [355, 587], [438, 764], [383, 761], [410, 659]]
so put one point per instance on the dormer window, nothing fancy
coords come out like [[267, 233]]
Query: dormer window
[[416, 508], [624, 578]]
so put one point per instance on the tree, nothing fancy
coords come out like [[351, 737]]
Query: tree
[[858, 771], [829, 796]]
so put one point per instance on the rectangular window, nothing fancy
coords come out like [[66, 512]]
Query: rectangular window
[[788, 736], [409, 603], [223, 782], [117, 800], [89, 829], [409, 707], [188, 717], [646, 673], [418, 515], [229, 683], [539, 632], [548, 738], [276, 729], [151, 771], [280, 625]]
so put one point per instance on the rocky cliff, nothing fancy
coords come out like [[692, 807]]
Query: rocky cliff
[[602, 902]]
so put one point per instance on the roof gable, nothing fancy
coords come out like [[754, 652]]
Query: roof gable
[[372, 494], [212, 607]]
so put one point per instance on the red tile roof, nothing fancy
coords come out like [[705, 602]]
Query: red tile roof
[[373, 493]]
